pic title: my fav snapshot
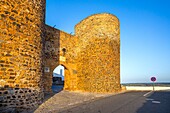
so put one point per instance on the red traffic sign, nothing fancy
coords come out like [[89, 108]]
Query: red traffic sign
[[153, 79]]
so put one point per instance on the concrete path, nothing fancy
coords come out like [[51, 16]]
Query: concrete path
[[65, 100]]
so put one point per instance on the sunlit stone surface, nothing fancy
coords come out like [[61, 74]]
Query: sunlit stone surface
[[31, 50]]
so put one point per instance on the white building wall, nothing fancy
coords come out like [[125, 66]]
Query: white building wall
[[146, 88]]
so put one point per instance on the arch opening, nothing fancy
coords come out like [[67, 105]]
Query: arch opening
[[61, 78], [58, 77]]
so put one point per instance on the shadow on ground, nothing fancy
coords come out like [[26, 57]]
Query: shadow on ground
[[47, 95], [55, 89]]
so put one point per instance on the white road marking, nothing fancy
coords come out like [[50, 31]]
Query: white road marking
[[147, 93], [156, 102], [149, 99]]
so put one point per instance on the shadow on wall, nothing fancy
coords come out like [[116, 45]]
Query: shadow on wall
[[51, 55], [156, 103]]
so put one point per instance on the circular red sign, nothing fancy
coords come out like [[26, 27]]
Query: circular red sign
[[153, 79]]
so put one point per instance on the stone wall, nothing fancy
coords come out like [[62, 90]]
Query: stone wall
[[91, 57], [98, 61], [21, 36], [51, 55], [31, 50], [19, 99], [70, 44], [59, 49]]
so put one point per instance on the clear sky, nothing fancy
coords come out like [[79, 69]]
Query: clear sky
[[144, 26]]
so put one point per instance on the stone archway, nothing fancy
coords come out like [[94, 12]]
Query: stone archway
[[70, 82], [67, 82], [70, 79]]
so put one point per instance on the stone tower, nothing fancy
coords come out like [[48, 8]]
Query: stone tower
[[21, 37], [98, 62], [28, 47], [92, 55]]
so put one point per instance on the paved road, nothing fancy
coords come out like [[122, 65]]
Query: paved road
[[129, 102], [57, 88]]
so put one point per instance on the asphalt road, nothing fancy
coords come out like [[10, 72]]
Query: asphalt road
[[57, 88], [129, 102]]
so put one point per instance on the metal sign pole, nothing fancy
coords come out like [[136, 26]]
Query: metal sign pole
[[153, 85], [153, 79]]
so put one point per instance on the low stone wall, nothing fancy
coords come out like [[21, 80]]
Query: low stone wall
[[146, 88], [19, 99]]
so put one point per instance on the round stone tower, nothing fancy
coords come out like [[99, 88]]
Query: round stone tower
[[21, 37], [99, 53]]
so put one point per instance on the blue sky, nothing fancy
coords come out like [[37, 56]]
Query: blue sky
[[144, 26]]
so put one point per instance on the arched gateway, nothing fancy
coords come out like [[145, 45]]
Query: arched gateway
[[92, 55], [30, 50]]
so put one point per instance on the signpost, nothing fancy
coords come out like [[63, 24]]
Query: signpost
[[153, 79]]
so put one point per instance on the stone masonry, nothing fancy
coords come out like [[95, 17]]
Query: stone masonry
[[21, 37], [98, 61], [91, 57], [30, 50]]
